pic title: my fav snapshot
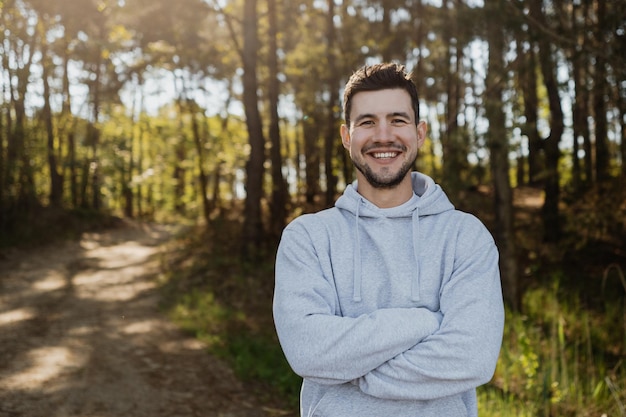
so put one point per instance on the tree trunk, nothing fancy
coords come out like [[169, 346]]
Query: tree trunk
[[252, 233], [2, 163], [140, 157], [311, 132], [331, 134], [579, 110], [204, 182], [69, 127], [26, 197], [528, 82], [499, 156], [279, 196], [84, 184], [179, 176], [127, 175], [550, 209], [72, 167], [219, 165], [385, 38], [127, 192], [56, 179], [215, 193], [452, 144], [585, 100], [450, 171], [622, 106], [579, 119], [202, 176], [94, 135], [599, 103]]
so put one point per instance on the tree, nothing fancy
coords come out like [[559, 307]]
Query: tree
[[580, 111], [499, 154], [332, 83], [198, 141], [279, 186], [252, 233], [527, 75], [550, 209], [20, 43], [56, 178], [454, 150], [599, 93]]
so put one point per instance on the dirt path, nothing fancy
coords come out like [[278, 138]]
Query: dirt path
[[81, 335]]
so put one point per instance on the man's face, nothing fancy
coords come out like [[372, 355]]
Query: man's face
[[383, 138]]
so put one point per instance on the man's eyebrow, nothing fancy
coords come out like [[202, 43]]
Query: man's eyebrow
[[400, 114], [364, 116]]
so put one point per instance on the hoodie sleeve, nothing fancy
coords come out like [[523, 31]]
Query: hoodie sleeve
[[318, 343], [463, 352]]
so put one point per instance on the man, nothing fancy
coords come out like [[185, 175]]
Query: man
[[389, 303]]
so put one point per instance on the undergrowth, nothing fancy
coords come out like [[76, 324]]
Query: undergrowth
[[45, 225], [559, 358], [226, 303]]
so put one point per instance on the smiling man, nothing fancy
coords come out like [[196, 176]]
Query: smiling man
[[389, 303]]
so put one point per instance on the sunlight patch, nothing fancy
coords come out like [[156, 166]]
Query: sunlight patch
[[121, 255], [115, 291], [176, 346], [140, 327], [44, 364], [19, 314], [53, 281], [81, 331]]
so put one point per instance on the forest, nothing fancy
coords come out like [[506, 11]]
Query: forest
[[225, 115]]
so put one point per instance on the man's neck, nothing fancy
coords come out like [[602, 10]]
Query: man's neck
[[387, 197]]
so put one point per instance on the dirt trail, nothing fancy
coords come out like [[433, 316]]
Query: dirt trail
[[81, 335]]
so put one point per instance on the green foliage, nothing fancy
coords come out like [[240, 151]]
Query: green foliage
[[257, 358], [559, 358], [226, 303], [254, 356], [200, 314], [598, 214], [43, 226]]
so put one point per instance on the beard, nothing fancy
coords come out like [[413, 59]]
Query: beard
[[384, 179]]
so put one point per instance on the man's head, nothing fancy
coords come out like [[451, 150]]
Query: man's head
[[379, 77], [382, 132]]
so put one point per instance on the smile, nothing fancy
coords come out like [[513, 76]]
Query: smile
[[384, 155]]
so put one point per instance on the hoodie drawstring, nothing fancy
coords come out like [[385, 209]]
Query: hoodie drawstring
[[357, 278], [356, 295], [415, 285]]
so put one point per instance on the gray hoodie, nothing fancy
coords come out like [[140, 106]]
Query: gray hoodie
[[389, 312]]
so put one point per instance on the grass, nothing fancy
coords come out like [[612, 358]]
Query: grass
[[562, 354], [559, 358], [226, 303]]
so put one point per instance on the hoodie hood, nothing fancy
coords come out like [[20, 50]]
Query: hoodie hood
[[428, 199]]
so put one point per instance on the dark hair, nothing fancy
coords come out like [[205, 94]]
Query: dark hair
[[379, 77]]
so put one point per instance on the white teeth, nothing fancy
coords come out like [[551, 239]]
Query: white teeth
[[385, 154]]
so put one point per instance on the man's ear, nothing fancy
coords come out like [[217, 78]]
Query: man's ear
[[422, 128], [345, 136]]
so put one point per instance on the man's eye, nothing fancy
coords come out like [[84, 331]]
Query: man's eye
[[366, 122], [399, 121]]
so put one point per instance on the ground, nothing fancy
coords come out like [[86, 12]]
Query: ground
[[81, 334]]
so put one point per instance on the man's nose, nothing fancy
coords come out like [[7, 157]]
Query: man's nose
[[384, 132]]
